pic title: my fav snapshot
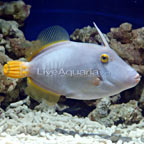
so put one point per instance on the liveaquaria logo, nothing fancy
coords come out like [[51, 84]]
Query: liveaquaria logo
[[71, 72]]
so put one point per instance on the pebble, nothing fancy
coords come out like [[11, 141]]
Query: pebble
[[16, 104], [49, 127], [142, 139], [42, 132], [115, 138]]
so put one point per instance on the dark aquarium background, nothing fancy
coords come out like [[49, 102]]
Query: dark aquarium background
[[72, 14]]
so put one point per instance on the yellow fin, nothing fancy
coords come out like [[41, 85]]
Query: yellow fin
[[40, 94], [33, 50], [47, 37], [16, 69]]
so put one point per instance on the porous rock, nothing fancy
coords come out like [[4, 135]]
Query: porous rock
[[14, 10], [126, 113]]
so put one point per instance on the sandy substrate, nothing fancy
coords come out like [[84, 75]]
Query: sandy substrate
[[21, 125]]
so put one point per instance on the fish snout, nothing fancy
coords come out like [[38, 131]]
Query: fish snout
[[137, 78], [133, 80]]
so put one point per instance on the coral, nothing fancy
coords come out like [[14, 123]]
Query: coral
[[102, 108], [87, 34], [9, 90], [129, 44], [122, 34], [127, 114], [10, 29], [18, 47], [12, 39], [14, 10], [7, 85], [12, 46], [141, 100]]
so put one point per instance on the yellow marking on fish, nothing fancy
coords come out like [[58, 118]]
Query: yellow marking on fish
[[40, 94], [104, 58], [42, 48], [15, 69], [42, 89]]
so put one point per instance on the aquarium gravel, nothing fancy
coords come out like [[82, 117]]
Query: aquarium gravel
[[43, 125]]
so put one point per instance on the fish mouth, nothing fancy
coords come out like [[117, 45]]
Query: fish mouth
[[137, 78], [133, 81]]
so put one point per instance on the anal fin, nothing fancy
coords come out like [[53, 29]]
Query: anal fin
[[41, 94]]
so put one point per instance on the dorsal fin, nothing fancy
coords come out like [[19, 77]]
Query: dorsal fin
[[101, 35], [53, 34], [47, 37]]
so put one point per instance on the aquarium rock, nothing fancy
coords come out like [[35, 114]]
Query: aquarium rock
[[126, 113], [10, 29], [141, 100], [7, 85], [14, 10], [12, 47], [87, 34], [18, 47], [102, 108], [129, 44], [9, 88]]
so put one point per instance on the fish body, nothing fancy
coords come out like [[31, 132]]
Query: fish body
[[64, 69], [77, 70]]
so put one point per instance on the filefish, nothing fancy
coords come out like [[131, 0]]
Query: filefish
[[83, 71]]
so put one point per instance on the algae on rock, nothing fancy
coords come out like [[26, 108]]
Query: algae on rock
[[87, 34], [12, 46], [14, 10], [127, 114], [10, 29]]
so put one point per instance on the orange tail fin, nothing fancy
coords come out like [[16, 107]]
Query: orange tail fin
[[16, 69]]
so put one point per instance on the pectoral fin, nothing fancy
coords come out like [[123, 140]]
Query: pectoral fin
[[96, 81]]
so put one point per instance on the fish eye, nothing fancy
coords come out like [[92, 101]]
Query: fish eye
[[104, 58]]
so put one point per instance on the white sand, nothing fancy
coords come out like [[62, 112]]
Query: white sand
[[21, 125]]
